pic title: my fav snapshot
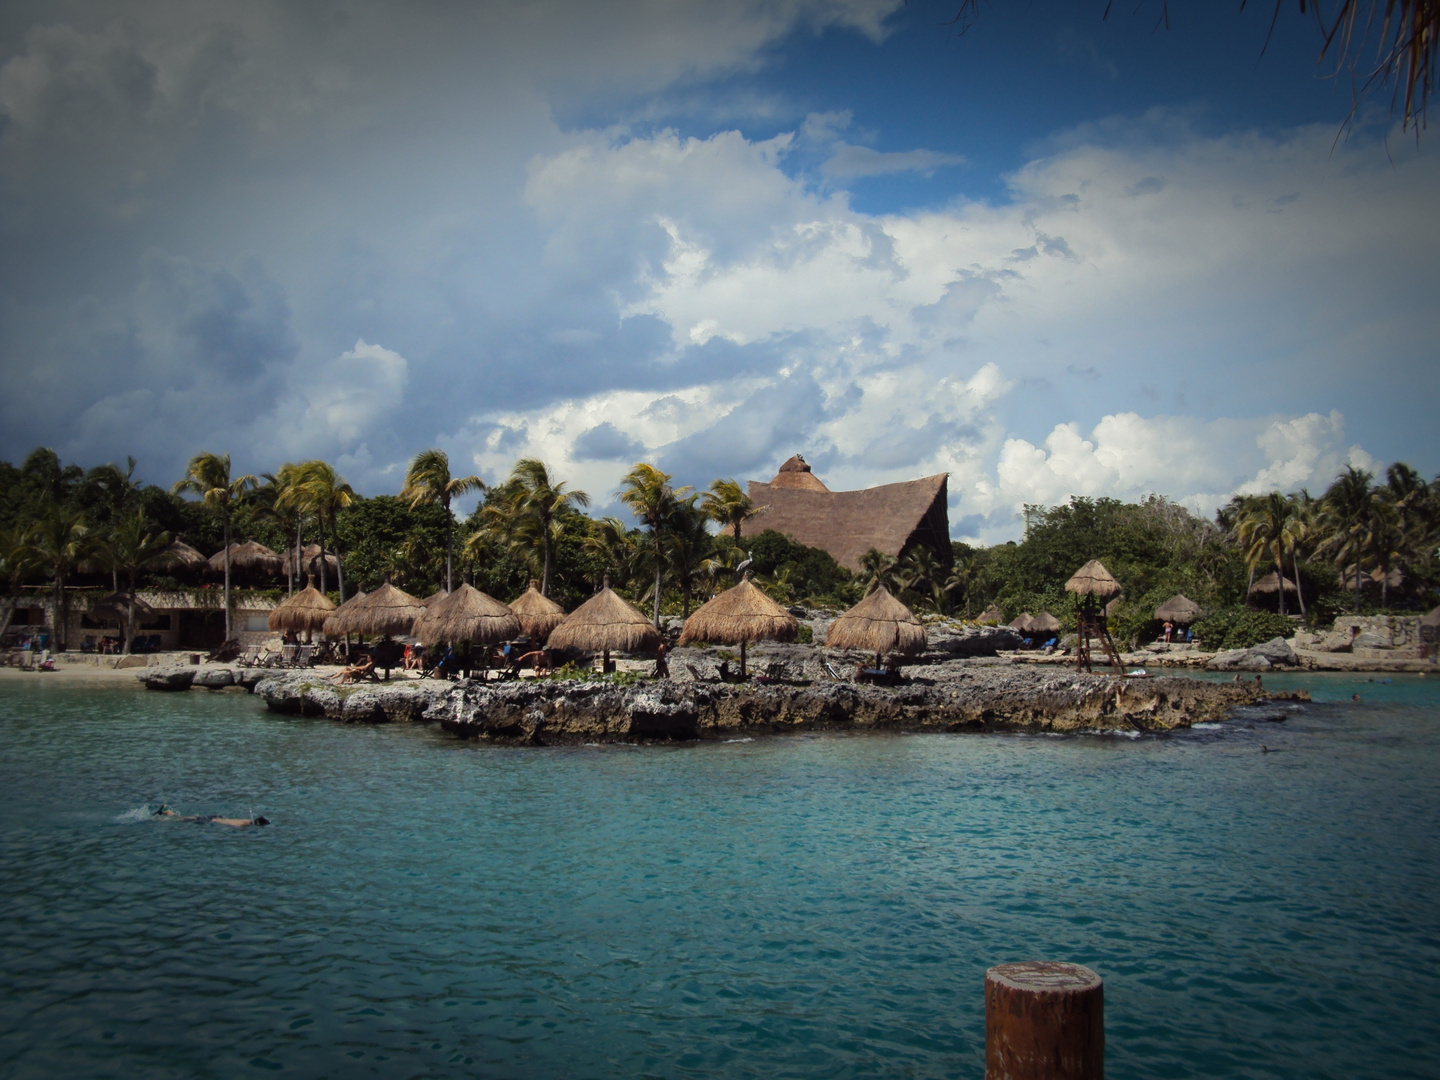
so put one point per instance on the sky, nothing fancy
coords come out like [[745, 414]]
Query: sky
[[1054, 253]]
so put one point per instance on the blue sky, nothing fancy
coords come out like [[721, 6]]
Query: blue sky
[[1057, 254]]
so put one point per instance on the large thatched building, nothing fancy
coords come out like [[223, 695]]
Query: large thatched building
[[892, 518]]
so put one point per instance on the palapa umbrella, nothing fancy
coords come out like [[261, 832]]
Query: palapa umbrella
[[538, 615], [1044, 623], [1093, 579], [306, 611], [1431, 619], [1272, 583], [467, 615], [434, 598], [308, 561], [182, 556], [249, 556], [991, 616], [386, 612], [1179, 609], [879, 624], [1021, 622], [739, 616], [331, 628], [1111, 606], [603, 623]]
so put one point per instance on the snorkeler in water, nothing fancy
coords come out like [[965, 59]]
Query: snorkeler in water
[[210, 819]]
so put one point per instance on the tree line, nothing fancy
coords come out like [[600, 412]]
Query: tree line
[[1365, 543]]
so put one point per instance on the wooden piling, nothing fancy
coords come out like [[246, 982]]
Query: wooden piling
[[1044, 1020]]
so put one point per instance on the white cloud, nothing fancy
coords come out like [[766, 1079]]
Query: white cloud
[[849, 162], [359, 388]]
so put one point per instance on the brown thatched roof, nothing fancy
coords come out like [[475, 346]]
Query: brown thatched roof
[[434, 598], [1431, 619], [538, 614], [1044, 623], [795, 474], [741, 614], [331, 627], [1111, 606], [307, 561], [847, 524], [878, 624], [1271, 583], [1179, 609], [467, 614], [1093, 579], [250, 556], [605, 623], [386, 611], [1021, 622], [991, 616], [307, 610], [182, 555]]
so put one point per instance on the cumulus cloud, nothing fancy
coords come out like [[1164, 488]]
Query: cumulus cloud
[[849, 162]]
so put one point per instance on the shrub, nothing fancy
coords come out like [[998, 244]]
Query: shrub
[[807, 634], [1240, 628]]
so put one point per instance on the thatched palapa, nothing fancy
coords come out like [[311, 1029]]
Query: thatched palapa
[[387, 612], [892, 519], [434, 598], [182, 556], [991, 616], [467, 615], [1432, 618], [1272, 583], [1179, 609], [250, 556], [305, 612], [740, 616], [879, 624], [604, 624], [331, 628], [1021, 622], [1044, 623], [538, 615], [308, 561], [1093, 579]]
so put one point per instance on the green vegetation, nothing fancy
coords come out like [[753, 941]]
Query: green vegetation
[[1367, 544]]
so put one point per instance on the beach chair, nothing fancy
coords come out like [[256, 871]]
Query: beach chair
[[830, 670], [695, 675], [305, 656]]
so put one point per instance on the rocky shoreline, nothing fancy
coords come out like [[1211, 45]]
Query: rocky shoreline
[[974, 695]]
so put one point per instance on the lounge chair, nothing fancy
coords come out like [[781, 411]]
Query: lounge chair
[[830, 670], [305, 656]]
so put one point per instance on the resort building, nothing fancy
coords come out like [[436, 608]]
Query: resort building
[[892, 519], [164, 621]]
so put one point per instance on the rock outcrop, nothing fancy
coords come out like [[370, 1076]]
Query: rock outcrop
[[983, 697], [1271, 654]]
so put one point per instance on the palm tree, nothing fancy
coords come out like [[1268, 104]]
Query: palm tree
[[208, 475], [58, 541], [428, 480], [17, 560], [1270, 526], [273, 500], [1348, 515], [134, 544], [962, 575], [729, 506], [646, 491], [118, 491], [540, 504], [688, 544], [614, 542], [921, 567], [877, 568], [315, 487]]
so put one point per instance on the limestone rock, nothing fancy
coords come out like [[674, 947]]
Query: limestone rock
[[214, 678], [1277, 651], [167, 678]]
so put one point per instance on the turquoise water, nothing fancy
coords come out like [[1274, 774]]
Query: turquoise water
[[797, 907]]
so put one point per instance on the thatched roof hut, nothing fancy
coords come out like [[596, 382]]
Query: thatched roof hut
[[250, 556], [1272, 583], [739, 616], [1044, 623], [182, 556], [879, 624], [538, 614], [331, 627], [991, 616], [605, 623], [1093, 579], [1179, 609], [469, 615], [308, 561], [1111, 606], [434, 598], [1021, 622], [306, 611], [388, 612], [1432, 618]]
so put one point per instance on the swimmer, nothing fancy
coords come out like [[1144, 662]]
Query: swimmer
[[211, 819], [1354, 697]]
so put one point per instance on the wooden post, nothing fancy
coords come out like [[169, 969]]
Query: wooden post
[[1044, 1021]]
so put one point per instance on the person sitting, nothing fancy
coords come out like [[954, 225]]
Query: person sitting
[[364, 668], [414, 658], [448, 664]]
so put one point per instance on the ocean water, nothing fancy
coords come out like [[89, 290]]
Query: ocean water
[[791, 907]]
